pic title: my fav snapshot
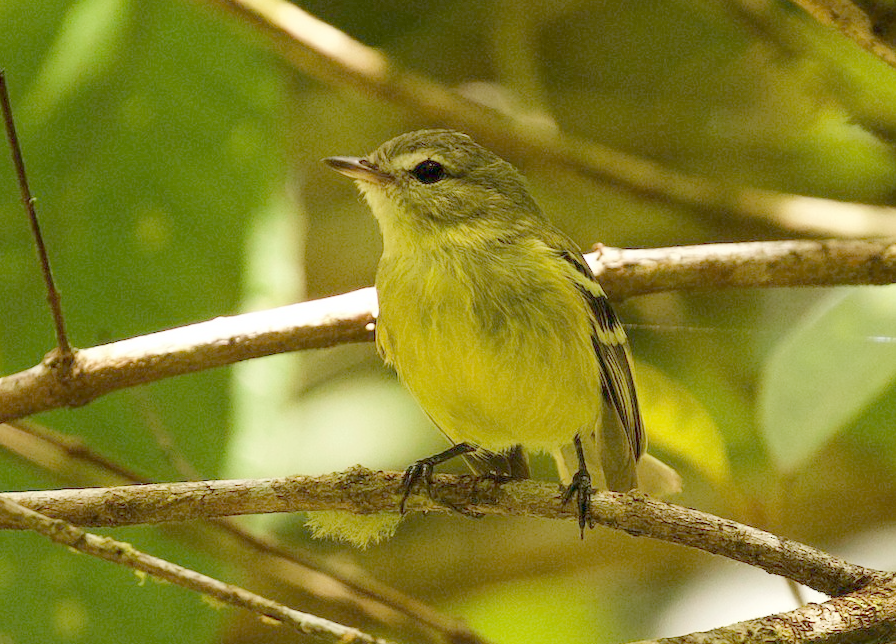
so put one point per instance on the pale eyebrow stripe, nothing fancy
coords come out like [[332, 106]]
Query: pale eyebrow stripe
[[410, 160]]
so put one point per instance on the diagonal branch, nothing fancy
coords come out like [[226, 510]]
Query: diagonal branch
[[350, 317], [853, 21], [320, 50], [867, 616], [124, 554], [71, 458], [361, 491]]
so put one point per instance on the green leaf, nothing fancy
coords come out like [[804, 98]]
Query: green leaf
[[546, 608], [835, 362], [84, 49], [153, 135], [677, 423]]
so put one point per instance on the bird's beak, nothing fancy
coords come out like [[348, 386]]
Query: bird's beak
[[357, 168]]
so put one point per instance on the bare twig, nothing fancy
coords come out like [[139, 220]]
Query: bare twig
[[362, 491], [350, 317], [126, 555], [64, 349], [322, 51]]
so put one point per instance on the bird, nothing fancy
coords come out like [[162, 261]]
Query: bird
[[495, 323]]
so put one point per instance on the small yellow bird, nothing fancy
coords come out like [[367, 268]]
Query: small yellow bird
[[496, 324]]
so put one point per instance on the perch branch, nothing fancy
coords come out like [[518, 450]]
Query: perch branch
[[350, 317], [362, 491]]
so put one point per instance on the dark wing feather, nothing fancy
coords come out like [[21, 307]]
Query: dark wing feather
[[611, 347]]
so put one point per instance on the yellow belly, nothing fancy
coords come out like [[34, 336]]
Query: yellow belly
[[513, 364]]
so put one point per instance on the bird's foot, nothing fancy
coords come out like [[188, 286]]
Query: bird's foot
[[580, 487], [422, 471]]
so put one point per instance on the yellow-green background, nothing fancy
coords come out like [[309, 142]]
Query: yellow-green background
[[175, 161]]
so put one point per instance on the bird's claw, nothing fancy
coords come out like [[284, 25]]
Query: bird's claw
[[422, 470], [580, 487]]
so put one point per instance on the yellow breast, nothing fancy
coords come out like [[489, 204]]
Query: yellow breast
[[497, 349]]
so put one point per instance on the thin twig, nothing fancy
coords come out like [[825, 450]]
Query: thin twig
[[322, 51], [64, 357], [350, 317], [362, 491], [126, 555]]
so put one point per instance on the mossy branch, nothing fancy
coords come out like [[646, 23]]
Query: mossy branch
[[863, 607], [362, 491]]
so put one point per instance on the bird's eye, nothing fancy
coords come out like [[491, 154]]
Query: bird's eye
[[429, 171]]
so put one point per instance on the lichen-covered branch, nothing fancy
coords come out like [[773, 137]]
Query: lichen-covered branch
[[362, 491], [124, 554], [70, 458]]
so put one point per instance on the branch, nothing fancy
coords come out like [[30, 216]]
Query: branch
[[53, 298], [867, 616], [320, 50], [853, 22], [863, 616], [126, 555], [221, 341], [350, 317], [627, 272], [361, 491]]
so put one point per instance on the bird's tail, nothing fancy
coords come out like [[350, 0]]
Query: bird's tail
[[657, 478], [612, 466]]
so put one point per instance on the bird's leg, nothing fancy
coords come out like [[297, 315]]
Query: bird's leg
[[500, 467], [422, 470], [581, 487]]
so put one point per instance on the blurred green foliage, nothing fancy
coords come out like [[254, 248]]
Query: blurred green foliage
[[175, 161]]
